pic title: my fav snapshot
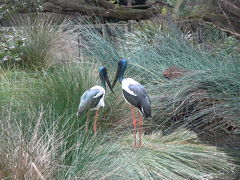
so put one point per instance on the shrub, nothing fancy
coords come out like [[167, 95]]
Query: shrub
[[38, 43]]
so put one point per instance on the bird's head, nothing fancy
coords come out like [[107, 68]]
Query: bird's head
[[122, 65], [104, 78]]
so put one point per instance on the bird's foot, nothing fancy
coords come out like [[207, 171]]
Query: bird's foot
[[140, 145], [137, 146]]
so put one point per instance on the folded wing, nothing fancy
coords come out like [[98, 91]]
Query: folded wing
[[139, 98], [89, 100]]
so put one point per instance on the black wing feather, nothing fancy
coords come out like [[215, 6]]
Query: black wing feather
[[141, 100]]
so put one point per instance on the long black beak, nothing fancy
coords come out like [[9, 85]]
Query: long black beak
[[116, 76], [108, 83]]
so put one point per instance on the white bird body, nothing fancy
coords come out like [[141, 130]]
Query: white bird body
[[125, 85], [101, 93], [101, 90], [135, 94], [92, 99]]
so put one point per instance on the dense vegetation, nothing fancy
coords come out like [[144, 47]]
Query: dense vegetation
[[43, 75]]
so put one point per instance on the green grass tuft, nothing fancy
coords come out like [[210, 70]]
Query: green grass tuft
[[41, 136]]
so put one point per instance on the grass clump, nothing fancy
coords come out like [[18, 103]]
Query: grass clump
[[43, 152], [58, 89], [175, 156], [206, 96], [37, 42], [40, 121], [38, 112], [28, 152], [178, 155]]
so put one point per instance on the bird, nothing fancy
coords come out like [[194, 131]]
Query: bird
[[136, 95], [93, 98]]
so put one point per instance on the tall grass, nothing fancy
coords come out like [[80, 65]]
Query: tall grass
[[28, 152], [58, 90], [42, 138], [41, 41], [55, 95], [41, 122], [206, 95], [42, 152]]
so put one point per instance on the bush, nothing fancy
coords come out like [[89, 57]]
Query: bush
[[10, 7], [38, 43]]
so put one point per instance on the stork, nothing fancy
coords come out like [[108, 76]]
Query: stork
[[135, 94], [93, 99]]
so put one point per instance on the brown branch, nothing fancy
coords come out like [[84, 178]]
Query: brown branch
[[135, 14], [228, 6], [108, 5], [220, 22], [49, 7], [150, 5], [234, 34]]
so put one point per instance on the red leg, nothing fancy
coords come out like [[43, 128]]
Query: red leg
[[87, 122], [95, 122], [134, 124], [140, 128]]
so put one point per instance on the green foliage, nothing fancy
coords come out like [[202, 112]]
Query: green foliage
[[213, 78], [199, 99], [58, 91], [26, 151], [42, 151], [10, 7], [34, 44], [213, 34], [166, 157], [38, 120], [10, 48], [38, 111], [190, 8]]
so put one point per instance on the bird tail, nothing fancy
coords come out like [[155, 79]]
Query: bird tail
[[81, 109], [79, 113], [146, 108]]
